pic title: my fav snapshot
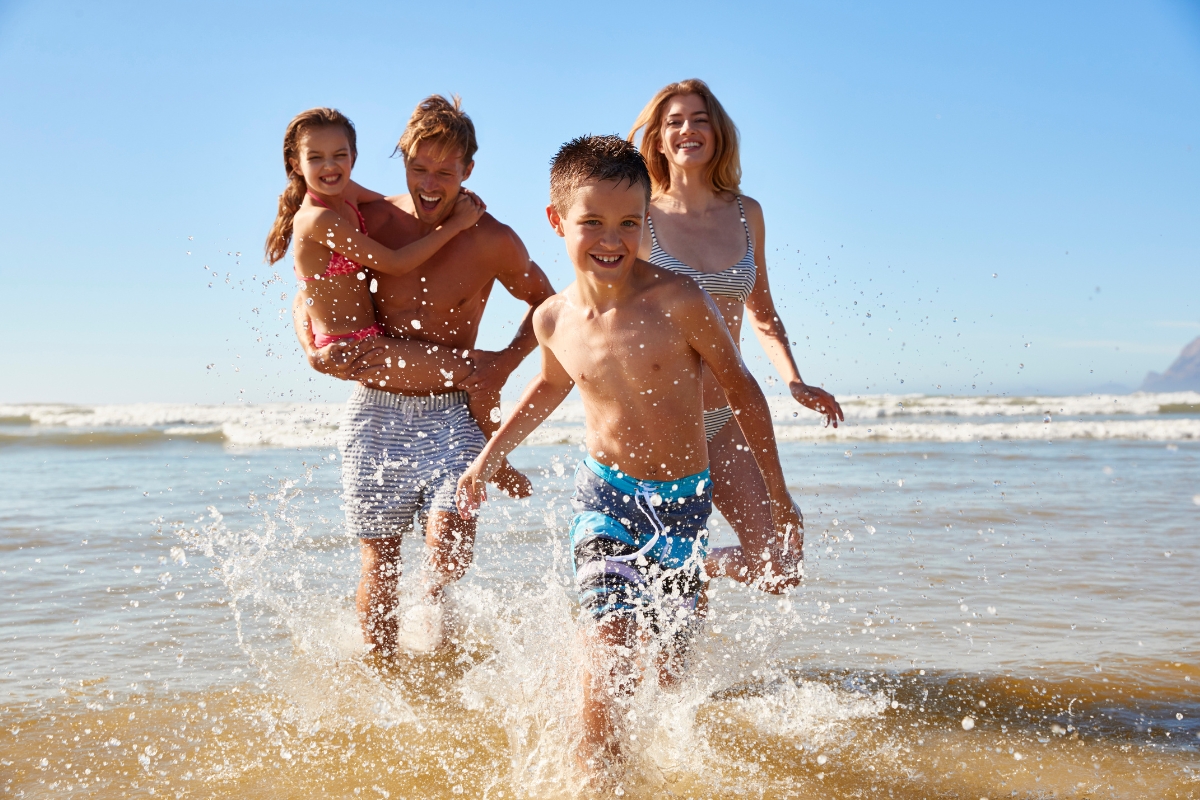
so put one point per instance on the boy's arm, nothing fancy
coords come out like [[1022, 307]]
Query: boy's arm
[[543, 394]]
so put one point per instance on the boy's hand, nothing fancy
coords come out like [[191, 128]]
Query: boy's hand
[[490, 373], [471, 492], [818, 400], [468, 209]]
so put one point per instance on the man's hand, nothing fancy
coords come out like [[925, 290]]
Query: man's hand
[[818, 400], [471, 491], [491, 371]]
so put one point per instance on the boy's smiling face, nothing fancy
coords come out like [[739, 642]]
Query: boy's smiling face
[[603, 227]]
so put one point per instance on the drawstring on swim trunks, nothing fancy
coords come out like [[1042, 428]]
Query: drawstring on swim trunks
[[649, 513]]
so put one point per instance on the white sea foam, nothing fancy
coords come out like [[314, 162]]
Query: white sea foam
[[1154, 417]]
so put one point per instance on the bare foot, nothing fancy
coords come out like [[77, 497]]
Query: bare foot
[[512, 483]]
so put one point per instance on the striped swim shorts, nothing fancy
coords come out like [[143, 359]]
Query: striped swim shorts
[[638, 546], [402, 457]]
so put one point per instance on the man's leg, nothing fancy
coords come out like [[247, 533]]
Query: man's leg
[[376, 598]]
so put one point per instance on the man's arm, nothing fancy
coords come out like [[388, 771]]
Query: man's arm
[[543, 394], [524, 280], [337, 362]]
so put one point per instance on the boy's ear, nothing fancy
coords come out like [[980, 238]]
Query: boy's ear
[[469, 168], [555, 220]]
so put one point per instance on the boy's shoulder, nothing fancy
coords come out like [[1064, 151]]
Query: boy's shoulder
[[548, 312], [669, 289]]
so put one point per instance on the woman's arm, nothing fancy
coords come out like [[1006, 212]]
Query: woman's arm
[[768, 327]]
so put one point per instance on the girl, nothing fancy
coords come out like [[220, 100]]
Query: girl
[[319, 209]]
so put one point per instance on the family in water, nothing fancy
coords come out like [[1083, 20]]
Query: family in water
[[669, 261]]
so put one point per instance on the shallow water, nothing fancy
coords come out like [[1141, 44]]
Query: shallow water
[[981, 618]]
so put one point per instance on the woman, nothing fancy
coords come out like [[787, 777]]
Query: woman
[[699, 225]]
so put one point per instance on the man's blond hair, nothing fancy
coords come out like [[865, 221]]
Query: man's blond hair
[[437, 119]]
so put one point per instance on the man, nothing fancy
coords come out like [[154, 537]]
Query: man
[[402, 454]]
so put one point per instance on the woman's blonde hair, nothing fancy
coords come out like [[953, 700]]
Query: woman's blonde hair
[[724, 171]]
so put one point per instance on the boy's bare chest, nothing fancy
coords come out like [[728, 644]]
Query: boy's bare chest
[[623, 351]]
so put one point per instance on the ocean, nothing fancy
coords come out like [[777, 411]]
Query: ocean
[[1001, 600]]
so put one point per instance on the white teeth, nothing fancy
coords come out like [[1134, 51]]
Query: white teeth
[[608, 259], [429, 199]]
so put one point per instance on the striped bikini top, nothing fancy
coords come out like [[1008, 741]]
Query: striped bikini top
[[736, 282]]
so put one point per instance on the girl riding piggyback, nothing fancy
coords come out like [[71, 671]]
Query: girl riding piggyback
[[319, 209]]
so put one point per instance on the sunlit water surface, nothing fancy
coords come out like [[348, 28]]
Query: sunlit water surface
[[980, 619]]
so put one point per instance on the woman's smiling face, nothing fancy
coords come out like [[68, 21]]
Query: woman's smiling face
[[687, 135]]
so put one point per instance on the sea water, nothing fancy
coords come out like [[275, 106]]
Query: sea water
[[1000, 601]]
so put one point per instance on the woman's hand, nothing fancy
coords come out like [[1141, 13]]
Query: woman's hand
[[818, 400]]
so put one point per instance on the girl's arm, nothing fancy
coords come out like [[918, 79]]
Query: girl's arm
[[543, 394], [760, 309], [323, 226]]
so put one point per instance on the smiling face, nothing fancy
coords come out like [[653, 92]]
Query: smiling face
[[324, 159], [434, 174], [603, 227], [687, 135]]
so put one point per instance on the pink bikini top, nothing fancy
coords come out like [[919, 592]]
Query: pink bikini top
[[338, 263]]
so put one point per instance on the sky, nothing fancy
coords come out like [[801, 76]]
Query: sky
[[961, 198]]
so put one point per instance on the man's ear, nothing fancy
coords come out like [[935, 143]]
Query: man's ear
[[469, 168], [555, 220]]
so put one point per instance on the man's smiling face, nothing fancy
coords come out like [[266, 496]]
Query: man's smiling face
[[603, 227], [434, 174]]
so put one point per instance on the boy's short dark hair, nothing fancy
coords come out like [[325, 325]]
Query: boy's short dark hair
[[594, 158]]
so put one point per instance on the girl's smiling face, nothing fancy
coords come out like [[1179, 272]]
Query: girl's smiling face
[[325, 159], [687, 134]]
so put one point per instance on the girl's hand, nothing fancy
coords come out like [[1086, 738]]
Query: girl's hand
[[818, 400], [468, 209]]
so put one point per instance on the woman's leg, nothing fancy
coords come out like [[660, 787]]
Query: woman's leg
[[741, 495]]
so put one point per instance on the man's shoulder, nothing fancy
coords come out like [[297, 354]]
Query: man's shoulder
[[389, 209]]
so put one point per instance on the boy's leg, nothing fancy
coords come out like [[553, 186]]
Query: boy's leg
[[485, 410], [376, 599], [741, 496], [609, 678]]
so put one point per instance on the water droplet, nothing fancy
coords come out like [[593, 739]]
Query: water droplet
[[968, 723], [416, 324], [374, 286], [993, 275], [307, 300], [821, 759]]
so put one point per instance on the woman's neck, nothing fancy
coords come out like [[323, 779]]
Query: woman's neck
[[691, 191]]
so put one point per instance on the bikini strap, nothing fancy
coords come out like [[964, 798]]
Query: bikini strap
[[653, 237], [362, 223], [746, 225], [316, 199]]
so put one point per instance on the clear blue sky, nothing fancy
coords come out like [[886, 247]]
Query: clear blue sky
[[903, 154]]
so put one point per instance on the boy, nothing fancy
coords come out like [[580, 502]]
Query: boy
[[634, 338]]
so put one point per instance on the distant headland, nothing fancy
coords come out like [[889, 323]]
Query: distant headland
[[1181, 376]]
